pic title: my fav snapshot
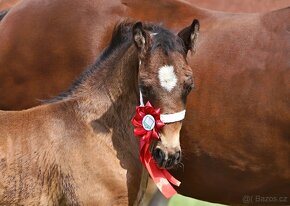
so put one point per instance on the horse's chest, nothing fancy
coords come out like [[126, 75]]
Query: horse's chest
[[99, 170], [100, 185]]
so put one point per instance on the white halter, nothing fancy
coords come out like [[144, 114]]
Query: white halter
[[167, 118]]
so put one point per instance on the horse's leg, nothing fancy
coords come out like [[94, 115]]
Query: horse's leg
[[143, 188], [148, 192], [152, 195], [158, 199]]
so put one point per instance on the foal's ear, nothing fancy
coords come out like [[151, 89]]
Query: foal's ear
[[189, 35], [141, 38]]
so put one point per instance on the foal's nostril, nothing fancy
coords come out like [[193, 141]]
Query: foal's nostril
[[170, 161], [158, 155], [173, 159], [178, 156]]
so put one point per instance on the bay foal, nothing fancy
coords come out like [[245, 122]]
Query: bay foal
[[235, 139], [79, 147]]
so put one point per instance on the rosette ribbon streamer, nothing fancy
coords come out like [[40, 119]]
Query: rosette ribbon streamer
[[147, 124]]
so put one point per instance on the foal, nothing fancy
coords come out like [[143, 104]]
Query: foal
[[79, 147]]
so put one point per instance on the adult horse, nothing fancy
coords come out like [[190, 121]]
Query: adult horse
[[236, 139], [221, 5], [248, 6], [236, 134], [54, 153], [69, 44]]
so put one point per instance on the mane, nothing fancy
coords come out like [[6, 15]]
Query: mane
[[164, 39], [122, 37]]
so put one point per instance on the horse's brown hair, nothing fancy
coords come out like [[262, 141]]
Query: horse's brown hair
[[122, 38], [79, 148], [240, 71]]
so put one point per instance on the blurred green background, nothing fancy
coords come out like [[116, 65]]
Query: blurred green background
[[179, 200]]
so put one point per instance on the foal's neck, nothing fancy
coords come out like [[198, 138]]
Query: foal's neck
[[105, 101], [111, 90]]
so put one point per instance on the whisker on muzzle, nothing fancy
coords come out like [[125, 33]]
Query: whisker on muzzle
[[180, 165]]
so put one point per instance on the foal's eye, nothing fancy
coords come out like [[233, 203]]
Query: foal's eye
[[188, 85], [186, 89]]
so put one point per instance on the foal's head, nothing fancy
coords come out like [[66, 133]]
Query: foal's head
[[165, 79]]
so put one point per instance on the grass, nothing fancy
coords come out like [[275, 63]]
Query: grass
[[179, 200]]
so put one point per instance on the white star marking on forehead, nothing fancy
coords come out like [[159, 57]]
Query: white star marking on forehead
[[167, 77]]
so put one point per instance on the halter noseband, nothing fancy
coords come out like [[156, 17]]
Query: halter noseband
[[167, 118]]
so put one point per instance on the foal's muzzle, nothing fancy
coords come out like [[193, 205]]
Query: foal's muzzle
[[165, 157]]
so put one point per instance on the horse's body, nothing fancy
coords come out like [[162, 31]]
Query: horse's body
[[248, 6], [236, 135], [70, 45], [6, 4], [75, 151], [236, 139], [79, 147], [221, 5], [49, 156]]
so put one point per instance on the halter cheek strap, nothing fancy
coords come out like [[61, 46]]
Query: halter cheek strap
[[167, 118]]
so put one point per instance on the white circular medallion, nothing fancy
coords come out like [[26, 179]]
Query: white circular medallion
[[148, 122]]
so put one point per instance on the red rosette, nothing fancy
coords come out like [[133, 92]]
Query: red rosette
[[141, 112]]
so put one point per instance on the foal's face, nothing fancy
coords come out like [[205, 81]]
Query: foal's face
[[165, 79]]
